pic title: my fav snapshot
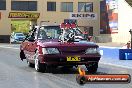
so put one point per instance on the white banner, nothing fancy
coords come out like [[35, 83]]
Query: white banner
[[91, 16]]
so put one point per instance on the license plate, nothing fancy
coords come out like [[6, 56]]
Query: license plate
[[74, 58]]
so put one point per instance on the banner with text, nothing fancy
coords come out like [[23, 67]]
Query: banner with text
[[91, 16], [24, 15]]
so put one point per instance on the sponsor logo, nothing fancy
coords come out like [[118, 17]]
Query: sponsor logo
[[23, 15], [82, 78], [91, 16]]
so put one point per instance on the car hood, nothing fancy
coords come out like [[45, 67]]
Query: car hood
[[65, 48]]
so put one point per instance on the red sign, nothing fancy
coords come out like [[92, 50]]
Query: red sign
[[82, 78], [62, 26], [67, 25]]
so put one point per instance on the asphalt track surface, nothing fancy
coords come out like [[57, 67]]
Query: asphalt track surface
[[16, 74]]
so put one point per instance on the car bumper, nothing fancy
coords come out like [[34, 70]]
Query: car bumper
[[62, 59]]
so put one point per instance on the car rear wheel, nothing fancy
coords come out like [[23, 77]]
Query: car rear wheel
[[92, 67]]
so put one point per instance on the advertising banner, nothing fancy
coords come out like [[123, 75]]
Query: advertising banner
[[91, 16], [24, 15]]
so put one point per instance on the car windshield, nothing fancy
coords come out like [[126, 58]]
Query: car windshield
[[49, 32], [19, 34], [54, 32]]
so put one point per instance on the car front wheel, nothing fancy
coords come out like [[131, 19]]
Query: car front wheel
[[39, 67], [30, 64]]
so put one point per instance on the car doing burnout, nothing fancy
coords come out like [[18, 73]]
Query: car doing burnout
[[43, 48]]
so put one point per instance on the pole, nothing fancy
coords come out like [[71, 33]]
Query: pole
[[131, 37]]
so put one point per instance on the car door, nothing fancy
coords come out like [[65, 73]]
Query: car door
[[31, 50], [31, 47], [25, 47]]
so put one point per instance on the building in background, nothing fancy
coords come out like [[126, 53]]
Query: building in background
[[109, 16], [115, 21], [86, 13], [105, 20]]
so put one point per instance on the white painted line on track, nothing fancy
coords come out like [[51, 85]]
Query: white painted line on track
[[110, 47], [9, 47], [116, 65]]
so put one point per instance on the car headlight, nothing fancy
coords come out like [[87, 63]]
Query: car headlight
[[92, 51], [50, 51]]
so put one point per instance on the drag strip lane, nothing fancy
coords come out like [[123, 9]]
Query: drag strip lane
[[15, 73], [16, 47]]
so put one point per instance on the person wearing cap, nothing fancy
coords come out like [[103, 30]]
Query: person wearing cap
[[128, 45]]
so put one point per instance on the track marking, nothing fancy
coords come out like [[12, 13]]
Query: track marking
[[110, 47], [9, 47], [116, 65]]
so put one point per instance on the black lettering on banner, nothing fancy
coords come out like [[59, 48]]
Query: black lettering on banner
[[92, 15], [83, 15], [73, 15], [78, 15], [87, 15]]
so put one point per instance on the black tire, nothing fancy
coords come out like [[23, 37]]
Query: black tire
[[40, 67], [92, 67], [30, 64]]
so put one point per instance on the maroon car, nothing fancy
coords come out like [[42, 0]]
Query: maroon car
[[43, 48]]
